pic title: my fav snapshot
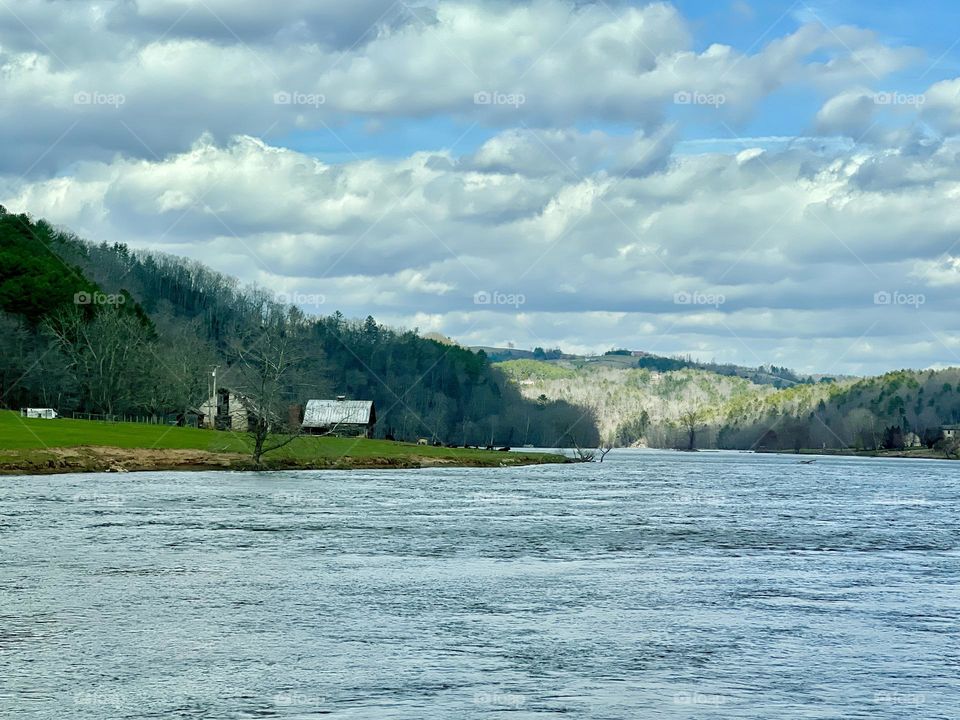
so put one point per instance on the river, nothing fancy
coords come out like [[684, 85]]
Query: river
[[653, 585]]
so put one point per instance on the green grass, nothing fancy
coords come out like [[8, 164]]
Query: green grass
[[17, 433]]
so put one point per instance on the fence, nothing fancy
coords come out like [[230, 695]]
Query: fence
[[188, 421]]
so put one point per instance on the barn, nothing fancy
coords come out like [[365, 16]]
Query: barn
[[227, 410], [341, 417]]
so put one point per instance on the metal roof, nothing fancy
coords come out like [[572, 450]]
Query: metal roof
[[327, 413]]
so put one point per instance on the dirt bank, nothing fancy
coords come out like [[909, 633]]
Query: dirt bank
[[113, 459]]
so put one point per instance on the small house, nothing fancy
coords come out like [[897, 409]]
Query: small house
[[340, 417], [950, 432], [227, 410], [42, 413]]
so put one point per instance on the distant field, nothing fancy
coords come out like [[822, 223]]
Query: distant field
[[19, 434]]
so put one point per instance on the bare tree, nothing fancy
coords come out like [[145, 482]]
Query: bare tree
[[182, 359], [583, 455], [950, 447], [262, 375], [107, 354], [605, 448]]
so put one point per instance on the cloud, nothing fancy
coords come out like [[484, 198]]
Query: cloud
[[132, 81], [771, 249], [942, 106], [569, 153], [591, 198], [944, 271]]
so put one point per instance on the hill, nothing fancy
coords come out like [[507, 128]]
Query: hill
[[778, 377], [643, 406], [631, 405], [107, 330]]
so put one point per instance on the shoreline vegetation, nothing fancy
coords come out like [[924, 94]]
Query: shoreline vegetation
[[41, 447], [903, 413], [922, 453]]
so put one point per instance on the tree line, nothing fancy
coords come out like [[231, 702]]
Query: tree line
[[106, 329]]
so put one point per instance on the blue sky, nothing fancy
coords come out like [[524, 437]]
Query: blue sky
[[739, 181], [743, 25]]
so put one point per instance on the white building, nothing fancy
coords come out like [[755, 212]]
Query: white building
[[43, 413], [226, 411]]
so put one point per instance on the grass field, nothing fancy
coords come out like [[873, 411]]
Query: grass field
[[24, 439]]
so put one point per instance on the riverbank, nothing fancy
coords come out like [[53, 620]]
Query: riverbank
[[924, 453], [35, 447]]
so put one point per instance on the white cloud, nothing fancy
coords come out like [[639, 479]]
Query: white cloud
[[796, 243], [587, 195], [176, 69], [944, 271]]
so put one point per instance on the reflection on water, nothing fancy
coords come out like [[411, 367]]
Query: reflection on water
[[668, 585]]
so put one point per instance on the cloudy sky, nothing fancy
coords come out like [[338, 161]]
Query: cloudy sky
[[743, 181]]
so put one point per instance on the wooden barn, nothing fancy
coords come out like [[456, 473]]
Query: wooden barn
[[340, 417], [949, 432], [227, 410]]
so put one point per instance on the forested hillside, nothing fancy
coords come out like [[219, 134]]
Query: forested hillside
[[661, 409], [632, 405], [107, 330], [871, 413]]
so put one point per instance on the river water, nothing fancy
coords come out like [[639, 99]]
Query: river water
[[653, 585]]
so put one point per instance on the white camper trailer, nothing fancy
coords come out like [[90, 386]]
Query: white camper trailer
[[42, 413]]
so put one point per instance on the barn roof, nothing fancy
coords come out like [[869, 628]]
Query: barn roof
[[327, 413]]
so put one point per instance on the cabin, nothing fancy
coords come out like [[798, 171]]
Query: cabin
[[227, 410], [340, 417], [950, 432], [42, 413]]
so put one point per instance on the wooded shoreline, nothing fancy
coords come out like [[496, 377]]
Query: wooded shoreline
[[916, 453]]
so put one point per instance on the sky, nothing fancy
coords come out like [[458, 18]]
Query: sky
[[748, 182]]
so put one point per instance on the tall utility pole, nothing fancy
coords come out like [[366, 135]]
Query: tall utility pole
[[216, 404]]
